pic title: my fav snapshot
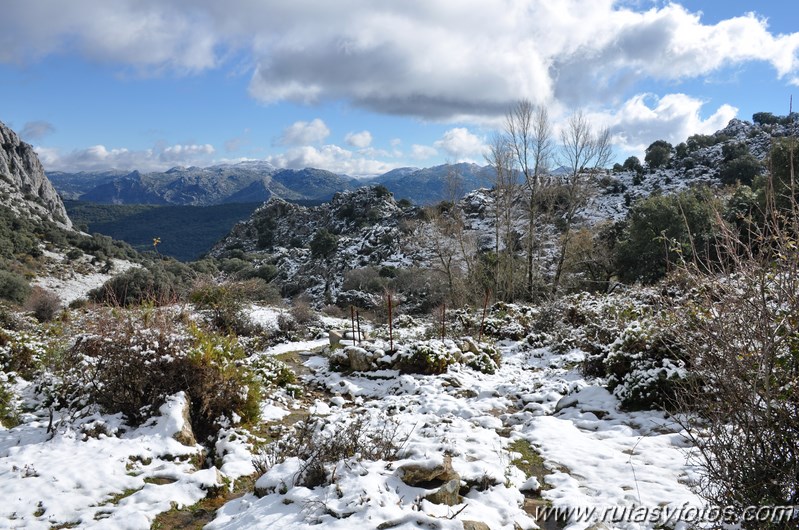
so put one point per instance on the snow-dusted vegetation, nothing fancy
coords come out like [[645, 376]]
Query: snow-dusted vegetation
[[593, 340]]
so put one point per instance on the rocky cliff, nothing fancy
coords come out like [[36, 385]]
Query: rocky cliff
[[23, 185]]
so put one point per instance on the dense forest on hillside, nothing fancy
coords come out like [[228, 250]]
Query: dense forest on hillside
[[185, 232]]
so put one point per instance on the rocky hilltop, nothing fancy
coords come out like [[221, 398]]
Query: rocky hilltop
[[311, 248], [25, 187], [375, 243]]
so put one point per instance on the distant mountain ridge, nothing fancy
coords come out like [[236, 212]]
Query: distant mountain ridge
[[194, 186], [258, 181]]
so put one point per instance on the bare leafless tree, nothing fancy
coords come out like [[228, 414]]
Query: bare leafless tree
[[453, 184], [455, 249], [583, 152], [500, 157], [529, 134]]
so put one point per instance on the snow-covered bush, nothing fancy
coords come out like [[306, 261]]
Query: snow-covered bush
[[272, 372], [631, 339], [317, 446], [510, 321], [23, 346], [131, 362], [20, 351], [427, 357], [8, 410], [486, 359]]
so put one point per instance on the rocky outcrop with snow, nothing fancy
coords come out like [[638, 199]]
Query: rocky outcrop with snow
[[368, 227], [24, 186]]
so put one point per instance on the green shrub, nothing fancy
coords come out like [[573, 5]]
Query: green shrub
[[367, 279], [225, 302], [381, 191], [633, 164], [323, 244], [742, 170], [266, 272], [218, 382], [664, 230], [765, 118], [234, 265], [658, 154], [204, 266], [161, 283], [13, 287]]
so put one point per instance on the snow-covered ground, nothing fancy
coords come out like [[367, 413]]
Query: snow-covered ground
[[72, 285], [96, 472], [599, 455]]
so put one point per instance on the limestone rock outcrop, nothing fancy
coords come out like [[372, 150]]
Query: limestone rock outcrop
[[26, 189]]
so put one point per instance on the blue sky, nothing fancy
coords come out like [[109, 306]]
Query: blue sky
[[361, 87]]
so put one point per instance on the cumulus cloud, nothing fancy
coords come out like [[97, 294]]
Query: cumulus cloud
[[364, 162], [451, 61], [331, 158], [99, 157], [461, 145], [673, 117], [303, 133], [177, 153], [440, 60], [146, 35], [36, 130], [360, 140]]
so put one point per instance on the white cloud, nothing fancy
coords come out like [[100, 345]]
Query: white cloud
[[439, 60], [303, 133], [364, 162], [461, 144], [673, 117], [423, 152], [178, 153], [146, 35], [361, 139], [99, 157], [331, 158]]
